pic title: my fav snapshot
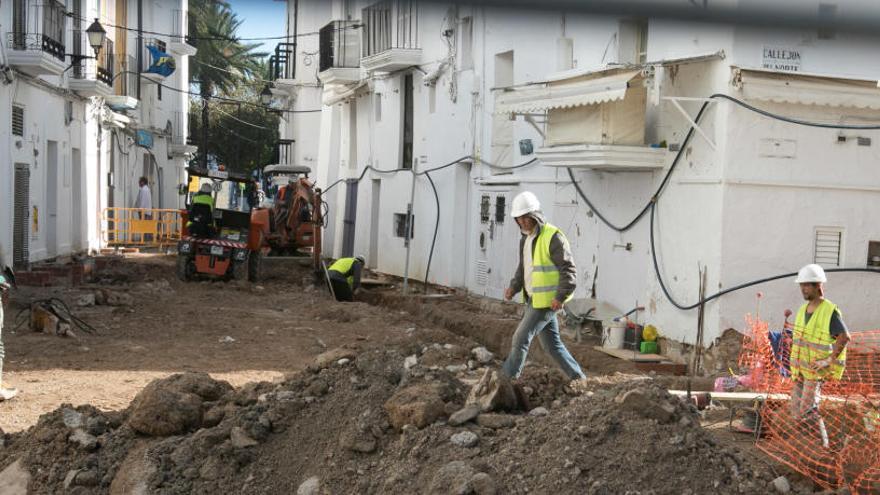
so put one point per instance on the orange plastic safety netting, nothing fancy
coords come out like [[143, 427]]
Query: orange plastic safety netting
[[836, 445]]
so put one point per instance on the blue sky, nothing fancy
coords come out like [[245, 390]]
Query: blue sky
[[261, 18]]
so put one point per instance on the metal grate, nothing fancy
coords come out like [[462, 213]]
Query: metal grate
[[828, 244], [21, 214], [17, 120], [484, 209], [500, 206]]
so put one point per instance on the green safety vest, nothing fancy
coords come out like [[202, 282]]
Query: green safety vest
[[545, 275], [203, 199], [343, 266], [813, 341]]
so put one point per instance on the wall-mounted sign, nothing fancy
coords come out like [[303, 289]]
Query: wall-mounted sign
[[780, 58], [144, 139]]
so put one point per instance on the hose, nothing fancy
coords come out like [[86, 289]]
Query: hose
[[688, 307]]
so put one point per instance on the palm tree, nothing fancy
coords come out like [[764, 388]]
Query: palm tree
[[222, 61]]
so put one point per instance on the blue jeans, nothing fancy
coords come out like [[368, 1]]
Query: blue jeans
[[543, 323]]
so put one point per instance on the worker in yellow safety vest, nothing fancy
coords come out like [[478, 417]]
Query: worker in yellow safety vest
[[818, 350], [546, 277], [345, 277], [204, 226]]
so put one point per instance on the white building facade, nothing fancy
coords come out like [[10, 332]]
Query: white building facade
[[610, 99], [69, 136]]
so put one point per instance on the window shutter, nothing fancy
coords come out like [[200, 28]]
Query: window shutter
[[17, 121], [828, 247]]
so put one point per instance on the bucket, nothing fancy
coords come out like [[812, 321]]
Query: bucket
[[612, 337]]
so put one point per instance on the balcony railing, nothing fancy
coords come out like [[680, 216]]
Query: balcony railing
[[390, 24], [283, 152], [38, 26], [339, 46], [282, 63], [101, 68], [147, 56], [127, 77]]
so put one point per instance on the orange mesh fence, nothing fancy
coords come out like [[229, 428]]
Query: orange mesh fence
[[837, 444]]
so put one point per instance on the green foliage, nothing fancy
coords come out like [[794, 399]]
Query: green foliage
[[228, 68]]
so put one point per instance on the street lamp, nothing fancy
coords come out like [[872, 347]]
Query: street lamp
[[96, 35], [266, 96]]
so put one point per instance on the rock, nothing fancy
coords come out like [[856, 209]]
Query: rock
[[638, 401], [495, 421], [226, 340], [327, 358], [410, 362], [311, 486], [462, 416], [72, 419], [114, 298], [83, 440], [782, 485], [493, 392], [240, 439], [357, 441], [87, 299], [173, 405], [452, 478], [343, 361], [418, 405], [96, 425], [14, 479], [482, 484], [465, 439], [539, 411], [68, 480], [133, 475], [87, 478], [285, 395], [482, 355]]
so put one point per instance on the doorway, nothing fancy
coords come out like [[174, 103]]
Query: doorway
[[373, 260], [51, 199], [77, 219], [348, 221]]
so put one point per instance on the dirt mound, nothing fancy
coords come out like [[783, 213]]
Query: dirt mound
[[376, 422]]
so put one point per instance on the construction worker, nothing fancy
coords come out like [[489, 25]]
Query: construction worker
[[5, 285], [345, 277], [818, 352], [546, 277], [201, 224]]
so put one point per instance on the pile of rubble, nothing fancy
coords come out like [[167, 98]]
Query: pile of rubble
[[386, 420]]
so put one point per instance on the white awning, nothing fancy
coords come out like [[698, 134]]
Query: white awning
[[808, 89], [575, 92]]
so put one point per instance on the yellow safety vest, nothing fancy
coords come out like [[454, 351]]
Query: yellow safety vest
[[343, 266], [813, 341], [545, 275], [204, 199]]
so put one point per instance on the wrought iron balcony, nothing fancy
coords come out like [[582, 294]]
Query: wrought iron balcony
[[390, 35], [37, 39], [86, 72], [340, 47]]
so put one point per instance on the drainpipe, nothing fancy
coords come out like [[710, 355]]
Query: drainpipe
[[409, 228], [140, 46]]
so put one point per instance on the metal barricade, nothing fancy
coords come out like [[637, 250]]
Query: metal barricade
[[140, 227]]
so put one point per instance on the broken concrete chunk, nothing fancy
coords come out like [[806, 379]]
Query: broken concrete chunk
[[495, 421], [83, 440], [465, 439], [72, 419], [240, 439], [482, 355], [418, 405], [539, 411], [493, 392], [311, 486], [14, 479], [410, 362], [456, 368], [462, 416], [782, 485]]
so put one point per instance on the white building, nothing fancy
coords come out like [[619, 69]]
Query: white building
[[750, 197], [67, 155]]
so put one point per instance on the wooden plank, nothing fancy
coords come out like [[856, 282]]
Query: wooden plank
[[665, 367], [634, 356], [375, 282]]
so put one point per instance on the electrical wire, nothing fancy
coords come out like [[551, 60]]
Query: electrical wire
[[436, 229], [57, 307], [233, 117]]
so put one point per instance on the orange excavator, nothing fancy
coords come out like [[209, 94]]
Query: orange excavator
[[231, 244]]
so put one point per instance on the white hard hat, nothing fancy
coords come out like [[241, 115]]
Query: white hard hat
[[524, 202], [811, 274], [360, 258]]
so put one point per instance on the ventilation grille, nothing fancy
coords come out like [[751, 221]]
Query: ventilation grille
[[20, 237], [17, 121], [482, 273], [827, 250]]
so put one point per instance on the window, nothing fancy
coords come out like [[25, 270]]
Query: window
[[874, 254], [827, 250], [432, 99], [484, 209], [500, 206], [377, 105], [407, 151], [400, 226], [632, 42], [17, 120]]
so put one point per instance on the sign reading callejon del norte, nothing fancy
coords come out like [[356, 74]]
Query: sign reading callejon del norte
[[778, 58]]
